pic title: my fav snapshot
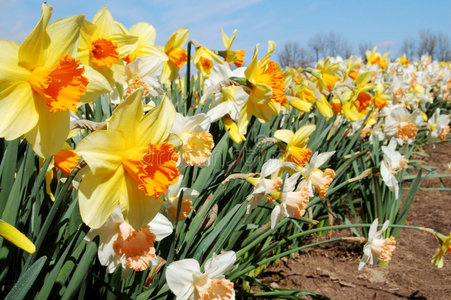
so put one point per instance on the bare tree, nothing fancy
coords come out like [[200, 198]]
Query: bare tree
[[427, 43], [443, 49], [293, 55], [408, 47], [331, 44]]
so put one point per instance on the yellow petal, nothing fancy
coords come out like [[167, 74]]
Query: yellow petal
[[33, 51], [126, 116], [9, 53], [102, 150], [97, 85], [126, 44], [17, 110], [350, 111], [105, 23], [145, 32], [137, 208], [285, 135], [271, 48], [98, 196], [301, 105], [64, 34], [13, 235], [324, 107], [51, 131], [252, 69], [225, 39], [300, 138], [244, 118], [177, 39], [155, 126], [260, 94]]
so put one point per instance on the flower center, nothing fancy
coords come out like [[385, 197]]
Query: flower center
[[197, 147], [214, 289], [299, 156], [136, 245], [273, 77], [185, 208], [136, 83], [330, 80], [61, 85], [206, 64], [103, 53], [407, 131], [228, 93], [296, 202], [444, 133], [362, 101], [384, 248], [153, 168], [322, 180], [177, 57]]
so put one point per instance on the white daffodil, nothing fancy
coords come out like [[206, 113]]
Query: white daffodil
[[438, 125], [314, 177], [377, 248], [197, 140], [402, 124], [173, 195], [141, 73], [121, 244], [228, 99], [264, 186], [187, 281], [393, 161], [294, 200]]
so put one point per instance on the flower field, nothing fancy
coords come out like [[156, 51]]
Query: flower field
[[127, 172]]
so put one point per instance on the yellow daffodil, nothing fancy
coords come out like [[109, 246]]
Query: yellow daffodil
[[130, 164], [358, 100], [445, 241], [232, 128], [329, 73], [403, 60], [16, 237], [267, 94], [41, 82], [296, 144], [203, 60], [176, 54], [375, 58], [103, 45], [231, 56], [146, 34]]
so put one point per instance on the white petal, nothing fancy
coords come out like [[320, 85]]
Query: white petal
[[276, 214], [217, 265], [180, 279], [161, 227]]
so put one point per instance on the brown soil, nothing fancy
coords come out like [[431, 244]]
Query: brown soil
[[331, 269]]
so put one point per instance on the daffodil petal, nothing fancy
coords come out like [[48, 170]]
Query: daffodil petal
[[51, 131], [177, 39], [16, 237], [97, 85], [17, 110], [101, 150], [105, 23], [285, 135], [64, 35], [98, 197], [300, 137], [154, 128], [137, 208], [33, 51], [127, 114]]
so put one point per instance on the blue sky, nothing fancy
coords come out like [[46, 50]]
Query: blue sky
[[383, 23]]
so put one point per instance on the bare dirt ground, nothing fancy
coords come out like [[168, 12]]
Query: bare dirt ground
[[331, 270]]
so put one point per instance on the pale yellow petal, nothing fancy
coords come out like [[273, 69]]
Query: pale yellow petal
[[127, 115], [271, 48], [105, 23], [260, 94], [252, 69], [156, 125], [300, 138], [51, 131], [97, 85], [225, 39], [98, 196], [16, 237], [102, 150], [64, 34], [137, 208], [33, 51], [17, 110], [301, 105], [177, 39], [244, 118], [285, 135], [145, 31], [9, 53], [325, 108], [126, 44]]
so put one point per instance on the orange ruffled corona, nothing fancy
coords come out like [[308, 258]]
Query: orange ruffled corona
[[178, 57], [103, 53], [61, 85], [273, 77], [362, 101], [136, 245], [66, 160], [213, 289], [153, 168], [407, 131], [299, 156]]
